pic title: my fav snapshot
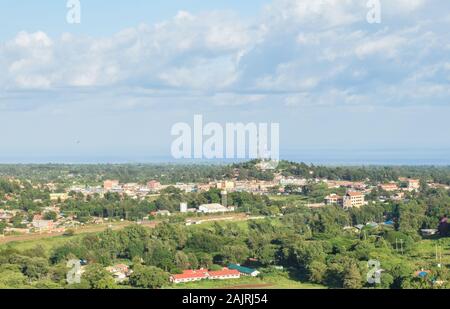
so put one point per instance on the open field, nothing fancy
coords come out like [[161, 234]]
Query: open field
[[81, 230], [36, 238], [426, 251]]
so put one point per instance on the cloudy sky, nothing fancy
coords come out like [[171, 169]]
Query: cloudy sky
[[112, 86]]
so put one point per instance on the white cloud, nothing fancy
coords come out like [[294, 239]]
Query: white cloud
[[386, 46], [315, 51], [403, 6]]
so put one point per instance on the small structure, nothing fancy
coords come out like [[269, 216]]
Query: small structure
[[428, 232], [54, 197], [359, 226], [120, 272], [246, 271], [163, 213], [389, 223], [41, 224]]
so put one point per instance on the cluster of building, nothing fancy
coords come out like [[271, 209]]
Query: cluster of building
[[355, 196], [214, 208], [38, 223], [233, 271], [410, 185]]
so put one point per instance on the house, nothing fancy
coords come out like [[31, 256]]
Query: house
[[413, 184], [246, 271], [110, 184], [164, 213], [43, 224], [189, 276], [388, 187], [5, 215], [398, 196], [154, 185], [226, 185], [333, 199], [120, 272], [224, 274], [54, 197]]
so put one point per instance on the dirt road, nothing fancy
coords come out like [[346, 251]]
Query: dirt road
[[116, 226]]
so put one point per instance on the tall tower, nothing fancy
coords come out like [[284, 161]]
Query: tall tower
[[224, 195]]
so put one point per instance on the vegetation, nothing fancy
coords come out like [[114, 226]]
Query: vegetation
[[292, 245]]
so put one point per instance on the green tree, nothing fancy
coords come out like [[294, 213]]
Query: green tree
[[317, 271], [51, 215], [35, 268], [352, 277], [98, 278], [12, 279], [182, 260], [3, 226], [148, 277]]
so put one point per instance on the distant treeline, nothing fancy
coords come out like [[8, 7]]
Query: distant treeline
[[173, 173]]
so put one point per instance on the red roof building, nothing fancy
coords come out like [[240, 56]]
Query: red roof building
[[197, 275], [189, 276], [224, 274]]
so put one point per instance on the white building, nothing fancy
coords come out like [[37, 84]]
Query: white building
[[214, 208]]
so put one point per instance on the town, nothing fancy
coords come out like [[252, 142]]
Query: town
[[52, 218], [238, 196]]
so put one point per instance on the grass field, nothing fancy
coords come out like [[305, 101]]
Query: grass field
[[47, 243], [425, 251], [289, 198]]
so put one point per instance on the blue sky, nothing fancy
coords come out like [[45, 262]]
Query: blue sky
[[114, 85], [105, 17]]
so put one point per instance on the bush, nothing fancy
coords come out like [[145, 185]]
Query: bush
[[69, 233]]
